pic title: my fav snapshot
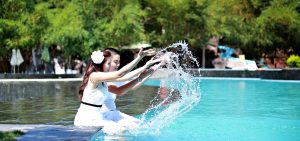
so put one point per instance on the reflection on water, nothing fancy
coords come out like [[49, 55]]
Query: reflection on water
[[136, 102], [57, 102]]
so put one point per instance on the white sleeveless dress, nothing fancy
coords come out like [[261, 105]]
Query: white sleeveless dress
[[89, 115], [107, 116], [111, 112]]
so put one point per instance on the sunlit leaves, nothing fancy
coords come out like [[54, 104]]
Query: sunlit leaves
[[81, 26]]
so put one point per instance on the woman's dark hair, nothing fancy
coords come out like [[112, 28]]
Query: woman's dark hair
[[92, 67], [112, 50]]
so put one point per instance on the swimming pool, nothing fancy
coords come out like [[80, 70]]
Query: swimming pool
[[229, 109], [238, 109]]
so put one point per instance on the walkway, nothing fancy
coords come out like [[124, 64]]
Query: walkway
[[40, 132]]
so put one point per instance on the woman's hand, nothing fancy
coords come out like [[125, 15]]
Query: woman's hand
[[149, 52], [163, 59], [155, 67], [152, 61], [152, 68], [149, 71]]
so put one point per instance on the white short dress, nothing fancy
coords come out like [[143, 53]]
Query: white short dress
[[89, 115], [111, 112], [106, 116]]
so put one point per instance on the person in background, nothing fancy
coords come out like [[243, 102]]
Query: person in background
[[79, 65], [269, 63], [168, 95], [280, 63], [59, 66], [219, 62]]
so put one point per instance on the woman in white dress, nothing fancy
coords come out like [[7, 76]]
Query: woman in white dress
[[94, 89], [118, 89]]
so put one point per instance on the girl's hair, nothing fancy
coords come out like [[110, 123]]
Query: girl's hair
[[112, 50], [92, 67]]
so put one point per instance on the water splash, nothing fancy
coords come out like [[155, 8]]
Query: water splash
[[182, 92]]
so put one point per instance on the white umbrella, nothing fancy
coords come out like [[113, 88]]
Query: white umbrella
[[16, 59], [34, 59]]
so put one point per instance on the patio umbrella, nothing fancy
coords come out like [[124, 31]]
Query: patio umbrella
[[45, 55], [45, 58], [16, 59], [34, 59]]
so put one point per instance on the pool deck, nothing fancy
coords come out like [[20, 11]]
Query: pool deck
[[275, 74], [40, 132]]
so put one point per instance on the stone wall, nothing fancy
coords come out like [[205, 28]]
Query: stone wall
[[37, 76], [279, 74]]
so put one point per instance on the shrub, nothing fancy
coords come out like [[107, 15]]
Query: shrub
[[10, 135], [293, 61]]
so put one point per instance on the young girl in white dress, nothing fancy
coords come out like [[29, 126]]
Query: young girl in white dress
[[118, 89], [94, 90]]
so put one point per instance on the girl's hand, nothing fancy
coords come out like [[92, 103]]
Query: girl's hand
[[165, 59], [149, 52], [152, 61], [150, 70], [155, 67]]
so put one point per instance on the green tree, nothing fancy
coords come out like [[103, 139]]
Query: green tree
[[36, 25], [12, 30], [113, 23], [168, 21], [80, 26], [278, 26], [66, 27]]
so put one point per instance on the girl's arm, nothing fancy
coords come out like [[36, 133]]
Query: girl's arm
[[97, 77], [134, 84], [120, 90], [138, 71], [144, 76]]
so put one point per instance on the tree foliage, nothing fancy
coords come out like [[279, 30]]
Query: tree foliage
[[81, 26]]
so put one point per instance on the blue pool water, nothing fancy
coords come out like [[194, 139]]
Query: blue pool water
[[229, 110]]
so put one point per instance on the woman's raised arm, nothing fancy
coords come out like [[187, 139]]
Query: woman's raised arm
[[98, 77], [138, 71]]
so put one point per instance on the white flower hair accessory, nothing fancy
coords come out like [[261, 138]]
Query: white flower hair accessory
[[97, 57]]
